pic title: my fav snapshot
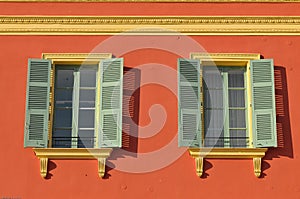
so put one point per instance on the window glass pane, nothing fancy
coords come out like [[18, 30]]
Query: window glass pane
[[214, 138], [237, 119], [212, 78], [61, 138], [213, 125], [213, 107], [86, 139], [88, 77], [64, 78], [63, 118], [213, 98], [238, 138], [236, 78], [87, 98], [86, 118], [63, 97], [236, 98]]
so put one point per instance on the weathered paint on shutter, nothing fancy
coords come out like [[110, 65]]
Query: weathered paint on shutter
[[189, 107], [37, 103], [111, 71], [263, 103]]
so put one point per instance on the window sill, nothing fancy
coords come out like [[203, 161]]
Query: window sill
[[72, 153], [236, 153]]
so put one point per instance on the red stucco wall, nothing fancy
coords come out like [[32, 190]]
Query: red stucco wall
[[19, 168]]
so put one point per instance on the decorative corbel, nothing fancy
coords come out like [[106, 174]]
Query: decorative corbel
[[43, 167]]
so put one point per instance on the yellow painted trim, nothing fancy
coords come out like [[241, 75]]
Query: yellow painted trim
[[236, 153], [225, 56], [249, 106], [72, 58], [228, 152], [150, 25], [51, 107], [44, 154], [170, 1], [98, 101]]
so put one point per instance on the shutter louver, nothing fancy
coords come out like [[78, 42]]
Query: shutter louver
[[263, 103], [37, 103], [111, 71], [189, 107]]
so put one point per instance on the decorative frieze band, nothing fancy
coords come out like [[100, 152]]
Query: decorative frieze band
[[143, 25]]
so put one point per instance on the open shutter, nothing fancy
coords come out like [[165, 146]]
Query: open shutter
[[111, 71], [37, 103], [189, 107], [263, 103]]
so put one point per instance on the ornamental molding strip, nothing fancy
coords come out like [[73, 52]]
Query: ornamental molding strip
[[170, 1], [149, 25]]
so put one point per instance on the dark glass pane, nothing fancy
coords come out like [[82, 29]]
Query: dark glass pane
[[214, 119], [236, 98], [87, 77], [86, 139], [64, 78], [63, 118], [214, 138], [86, 118], [213, 98], [87, 98], [236, 78], [212, 78], [61, 138], [237, 119], [238, 138], [213, 125], [63, 97]]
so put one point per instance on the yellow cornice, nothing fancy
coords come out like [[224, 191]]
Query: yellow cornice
[[170, 1], [225, 56], [76, 58], [150, 25]]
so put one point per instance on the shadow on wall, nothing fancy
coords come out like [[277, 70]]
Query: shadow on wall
[[130, 112], [51, 166], [284, 136]]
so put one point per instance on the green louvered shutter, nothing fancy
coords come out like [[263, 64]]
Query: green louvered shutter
[[189, 107], [263, 103], [37, 103], [111, 71]]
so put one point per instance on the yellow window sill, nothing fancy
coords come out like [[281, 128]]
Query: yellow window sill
[[72, 153], [239, 153]]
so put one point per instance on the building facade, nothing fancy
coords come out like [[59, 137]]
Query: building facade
[[132, 141]]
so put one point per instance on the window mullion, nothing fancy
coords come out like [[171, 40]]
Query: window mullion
[[226, 110], [75, 108]]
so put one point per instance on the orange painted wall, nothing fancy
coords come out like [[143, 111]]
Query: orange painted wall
[[19, 168]]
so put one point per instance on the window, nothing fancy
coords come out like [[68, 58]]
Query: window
[[74, 106], [74, 103], [226, 101], [224, 107]]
